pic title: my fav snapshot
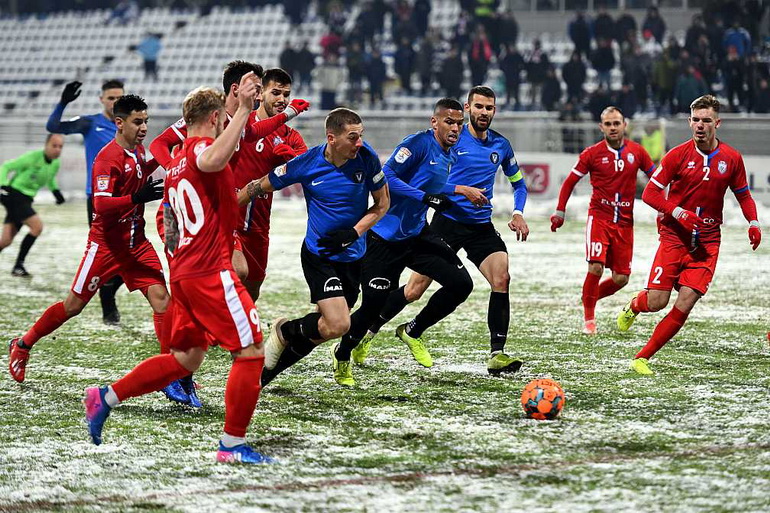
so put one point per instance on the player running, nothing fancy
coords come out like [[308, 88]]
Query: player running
[[98, 130], [417, 175], [116, 240], [31, 171], [209, 301], [698, 174], [613, 164], [337, 179], [480, 153], [249, 156]]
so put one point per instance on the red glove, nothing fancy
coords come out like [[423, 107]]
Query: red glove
[[557, 220], [296, 107], [689, 220], [284, 151], [755, 236]]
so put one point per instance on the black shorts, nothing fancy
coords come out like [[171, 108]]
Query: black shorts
[[327, 278], [478, 240], [426, 253], [18, 207]]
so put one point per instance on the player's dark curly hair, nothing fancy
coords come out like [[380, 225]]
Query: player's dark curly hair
[[127, 104], [235, 70], [338, 118], [276, 75], [481, 91], [113, 84], [447, 103]]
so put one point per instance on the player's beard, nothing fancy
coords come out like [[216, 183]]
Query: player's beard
[[477, 127]]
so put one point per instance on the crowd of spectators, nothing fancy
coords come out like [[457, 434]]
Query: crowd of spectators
[[638, 64]]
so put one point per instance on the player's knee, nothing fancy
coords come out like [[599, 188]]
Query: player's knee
[[413, 292], [501, 282], [462, 286], [336, 327], [656, 303], [241, 272], [4, 243], [621, 280], [73, 308], [36, 230], [596, 268]]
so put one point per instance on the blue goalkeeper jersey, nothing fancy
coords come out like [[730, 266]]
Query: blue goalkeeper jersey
[[417, 167], [477, 164], [336, 197], [97, 130]]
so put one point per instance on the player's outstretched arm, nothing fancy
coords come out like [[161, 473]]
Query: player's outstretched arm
[[161, 146], [380, 206], [78, 125], [170, 230], [749, 209], [253, 189], [262, 128], [474, 195], [557, 218], [215, 157]]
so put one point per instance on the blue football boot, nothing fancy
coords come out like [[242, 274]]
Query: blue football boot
[[188, 385], [176, 393], [241, 454], [97, 411]]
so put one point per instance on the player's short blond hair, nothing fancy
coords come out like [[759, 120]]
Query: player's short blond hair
[[201, 102], [707, 101]]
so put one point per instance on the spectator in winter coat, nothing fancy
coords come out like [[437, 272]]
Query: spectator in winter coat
[[574, 75], [479, 56], [603, 60], [604, 25], [580, 33], [551, 96], [451, 74], [655, 24], [537, 66], [688, 87], [512, 65], [404, 64], [376, 74]]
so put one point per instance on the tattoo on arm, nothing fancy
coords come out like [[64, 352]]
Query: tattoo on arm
[[170, 230], [254, 189]]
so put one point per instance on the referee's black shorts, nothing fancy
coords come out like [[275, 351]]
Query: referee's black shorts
[[18, 207], [329, 278], [426, 253], [478, 240]]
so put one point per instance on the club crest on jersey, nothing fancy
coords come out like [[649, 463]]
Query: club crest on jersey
[[402, 154], [691, 164], [631, 158], [494, 157], [103, 182], [127, 168], [722, 167], [605, 160], [358, 176], [277, 140], [280, 170], [200, 147]]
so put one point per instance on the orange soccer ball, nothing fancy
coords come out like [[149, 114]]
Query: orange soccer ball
[[542, 399]]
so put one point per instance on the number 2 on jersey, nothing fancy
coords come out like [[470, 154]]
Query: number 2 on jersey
[[181, 197]]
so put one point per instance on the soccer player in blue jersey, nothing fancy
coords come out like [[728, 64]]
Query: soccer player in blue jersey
[[98, 130], [418, 173], [480, 153], [337, 178]]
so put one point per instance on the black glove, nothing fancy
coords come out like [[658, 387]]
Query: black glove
[[71, 92], [336, 241], [58, 195], [438, 202], [151, 191], [5, 190]]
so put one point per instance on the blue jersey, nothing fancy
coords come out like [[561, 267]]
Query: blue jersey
[[337, 197], [477, 164], [97, 130], [419, 166]]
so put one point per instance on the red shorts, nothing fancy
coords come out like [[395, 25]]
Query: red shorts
[[255, 246], [213, 307], [139, 267], [675, 266], [610, 244]]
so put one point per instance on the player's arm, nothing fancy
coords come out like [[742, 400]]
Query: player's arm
[[512, 171], [161, 146], [378, 187], [170, 230], [654, 195], [335, 241], [78, 125], [16, 165], [740, 188], [105, 202], [53, 186], [262, 128], [254, 189], [294, 148], [474, 194], [578, 172], [214, 158]]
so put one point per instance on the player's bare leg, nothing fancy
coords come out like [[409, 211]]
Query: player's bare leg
[[668, 326], [9, 232], [35, 225], [495, 269], [241, 267]]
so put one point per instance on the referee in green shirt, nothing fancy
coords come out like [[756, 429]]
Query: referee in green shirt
[[20, 179]]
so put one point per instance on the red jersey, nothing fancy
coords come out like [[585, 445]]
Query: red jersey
[[119, 172], [206, 209], [256, 160], [699, 182], [613, 178]]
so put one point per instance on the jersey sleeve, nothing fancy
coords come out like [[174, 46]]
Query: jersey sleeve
[[287, 174], [52, 184], [407, 156], [646, 165], [297, 143], [105, 178], [583, 165], [738, 182], [76, 125], [162, 145], [17, 165], [375, 177], [666, 171]]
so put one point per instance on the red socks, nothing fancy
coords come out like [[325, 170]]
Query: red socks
[[242, 393], [664, 331], [639, 303], [608, 288], [51, 319], [590, 295], [162, 331], [149, 376]]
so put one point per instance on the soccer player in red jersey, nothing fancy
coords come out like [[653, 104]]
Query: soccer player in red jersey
[[208, 299], [698, 174], [250, 155], [613, 164], [257, 160], [116, 241]]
